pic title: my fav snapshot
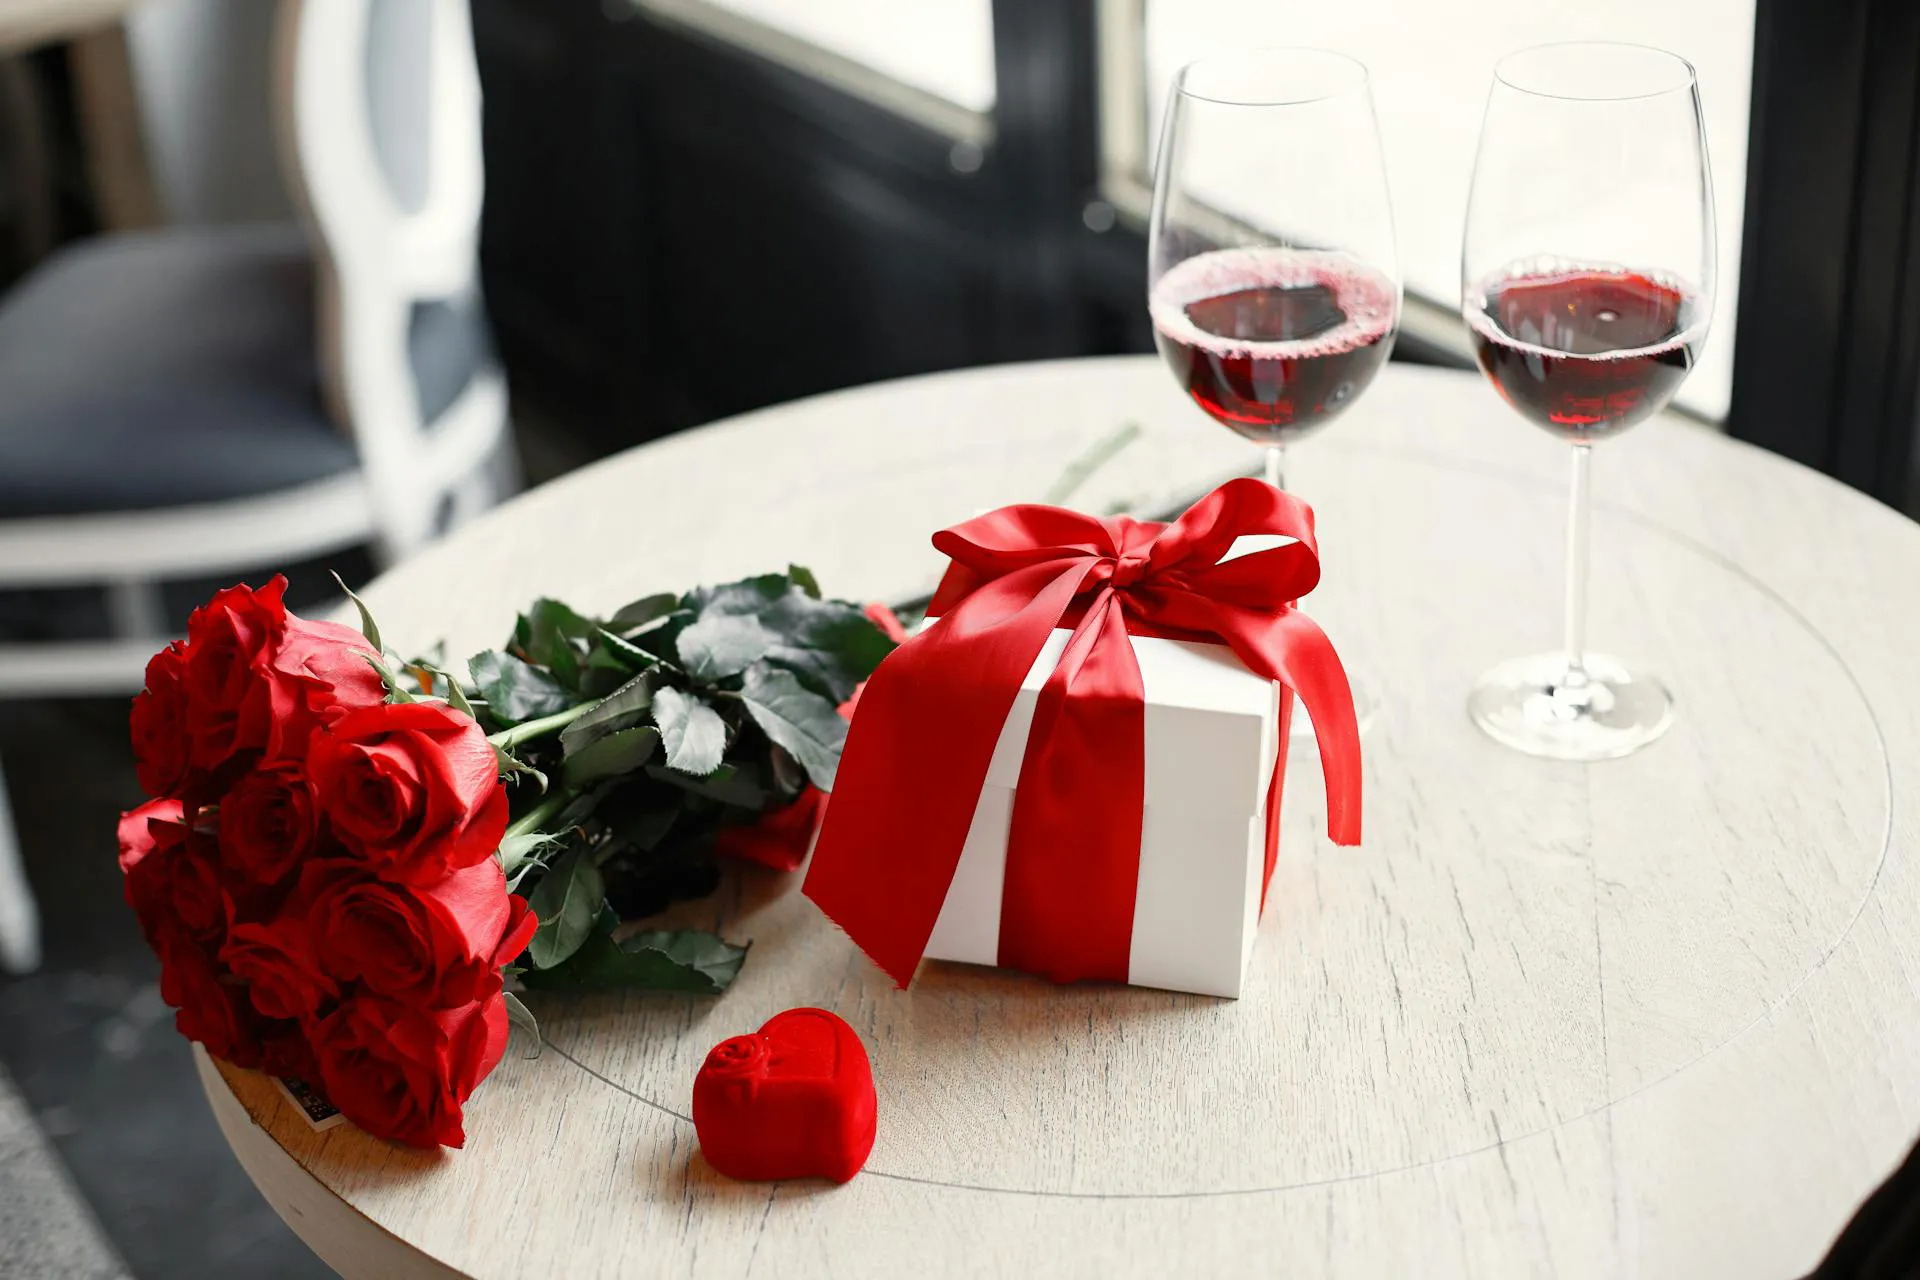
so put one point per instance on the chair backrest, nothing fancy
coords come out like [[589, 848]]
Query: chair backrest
[[379, 114]]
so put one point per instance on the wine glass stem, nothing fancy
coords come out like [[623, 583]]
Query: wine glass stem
[[1579, 504], [1277, 465]]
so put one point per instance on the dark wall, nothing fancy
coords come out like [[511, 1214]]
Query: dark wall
[[678, 230]]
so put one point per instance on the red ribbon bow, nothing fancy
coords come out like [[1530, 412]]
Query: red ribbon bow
[[917, 754]]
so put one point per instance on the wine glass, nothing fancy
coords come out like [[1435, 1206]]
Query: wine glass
[[1587, 284], [1271, 277]]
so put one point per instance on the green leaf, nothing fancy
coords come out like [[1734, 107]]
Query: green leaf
[[645, 830], [731, 784], [456, 696], [522, 854], [719, 645], [692, 962], [567, 901], [621, 709], [803, 722], [642, 613], [694, 734], [514, 690], [610, 650], [803, 578], [620, 752], [368, 627], [549, 621], [747, 596], [831, 645], [552, 635], [518, 1015], [788, 777], [580, 808], [442, 684], [512, 766], [396, 692], [640, 813]]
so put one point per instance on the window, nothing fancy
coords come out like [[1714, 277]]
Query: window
[[931, 60], [1430, 66], [966, 158]]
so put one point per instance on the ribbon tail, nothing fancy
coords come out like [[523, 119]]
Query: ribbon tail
[[1276, 785], [1303, 657], [915, 759]]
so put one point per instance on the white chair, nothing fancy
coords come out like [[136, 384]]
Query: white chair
[[189, 403]]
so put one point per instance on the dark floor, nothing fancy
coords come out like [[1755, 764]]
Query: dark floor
[[87, 1038]]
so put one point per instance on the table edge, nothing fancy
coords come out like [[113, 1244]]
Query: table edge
[[340, 1235]]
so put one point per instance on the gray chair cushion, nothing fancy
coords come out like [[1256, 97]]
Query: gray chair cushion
[[155, 370]]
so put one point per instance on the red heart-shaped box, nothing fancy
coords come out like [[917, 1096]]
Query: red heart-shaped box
[[793, 1100]]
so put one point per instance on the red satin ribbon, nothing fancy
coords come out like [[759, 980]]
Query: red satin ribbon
[[917, 754]]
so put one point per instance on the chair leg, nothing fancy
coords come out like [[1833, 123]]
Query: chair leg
[[136, 609], [494, 480], [470, 497], [19, 917], [508, 476]]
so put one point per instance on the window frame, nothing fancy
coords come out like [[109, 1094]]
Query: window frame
[[857, 79]]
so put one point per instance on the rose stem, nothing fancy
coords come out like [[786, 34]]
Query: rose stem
[[508, 739], [540, 814]]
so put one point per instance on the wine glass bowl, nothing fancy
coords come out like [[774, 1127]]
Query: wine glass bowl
[[1587, 286], [1272, 282], [1585, 350]]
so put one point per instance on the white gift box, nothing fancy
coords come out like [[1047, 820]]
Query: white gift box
[[1212, 728]]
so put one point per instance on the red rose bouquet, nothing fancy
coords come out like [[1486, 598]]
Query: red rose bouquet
[[330, 867], [317, 870]]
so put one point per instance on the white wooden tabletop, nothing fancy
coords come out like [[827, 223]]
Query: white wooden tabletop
[[1657, 1016]]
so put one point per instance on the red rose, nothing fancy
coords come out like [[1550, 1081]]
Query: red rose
[[887, 620], [137, 837], [268, 823], [332, 661], [213, 1011], [521, 924], [229, 640], [436, 945], [285, 1052], [411, 787], [258, 679], [403, 1073], [780, 839], [172, 883], [159, 723], [277, 962]]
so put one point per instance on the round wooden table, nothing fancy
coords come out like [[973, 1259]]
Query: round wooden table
[[1656, 1016]]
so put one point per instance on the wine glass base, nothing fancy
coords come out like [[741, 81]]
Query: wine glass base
[[1366, 705], [1537, 706]]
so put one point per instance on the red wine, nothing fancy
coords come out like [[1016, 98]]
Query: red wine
[[1584, 351], [1274, 342]]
